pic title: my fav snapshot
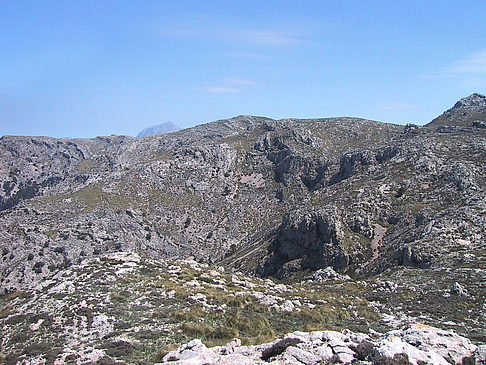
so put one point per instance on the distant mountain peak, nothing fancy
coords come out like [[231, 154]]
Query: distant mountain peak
[[166, 127]]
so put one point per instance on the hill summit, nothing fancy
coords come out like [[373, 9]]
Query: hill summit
[[469, 111]]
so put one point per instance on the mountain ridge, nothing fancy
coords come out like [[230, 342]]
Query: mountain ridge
[[289, 154]]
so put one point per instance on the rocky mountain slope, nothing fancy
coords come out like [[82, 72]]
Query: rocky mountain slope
[[254, 194], [124, 308], [467, 112], [399, 210], [163, 128], [213, 192]]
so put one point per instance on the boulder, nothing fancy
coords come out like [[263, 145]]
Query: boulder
[[458, 289]]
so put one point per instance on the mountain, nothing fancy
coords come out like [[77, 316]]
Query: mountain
[[121, 308], [167, 127], [389, 218], [469, 111]]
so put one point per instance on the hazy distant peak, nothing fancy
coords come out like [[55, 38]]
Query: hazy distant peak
[[166, 127]]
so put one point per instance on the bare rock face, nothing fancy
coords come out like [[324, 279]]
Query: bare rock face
[[439, 345], [315, 239]]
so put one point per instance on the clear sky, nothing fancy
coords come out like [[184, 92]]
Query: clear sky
[[86, 68]]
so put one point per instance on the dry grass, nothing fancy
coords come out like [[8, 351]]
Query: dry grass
[[6, 311]]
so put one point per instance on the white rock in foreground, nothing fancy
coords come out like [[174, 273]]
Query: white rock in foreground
[[421, 343]]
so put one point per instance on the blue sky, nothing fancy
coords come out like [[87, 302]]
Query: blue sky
[[88, 68]]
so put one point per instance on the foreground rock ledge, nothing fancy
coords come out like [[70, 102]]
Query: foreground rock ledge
[[413, 344]]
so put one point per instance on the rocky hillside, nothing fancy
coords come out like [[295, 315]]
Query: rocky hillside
[[467, 112], [262, 196], [216, 192], [122, 308], [397, 212]]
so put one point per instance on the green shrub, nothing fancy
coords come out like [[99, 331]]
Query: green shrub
[[398, 359]]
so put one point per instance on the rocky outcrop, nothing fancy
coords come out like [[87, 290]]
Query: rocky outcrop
[[315, 239], [351, 162], [327, 274], [413, 344]]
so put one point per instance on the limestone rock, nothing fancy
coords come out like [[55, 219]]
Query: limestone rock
[[419, 343], [326, 274], [458, 289]]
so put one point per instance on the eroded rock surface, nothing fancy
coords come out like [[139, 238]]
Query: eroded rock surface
[[415, 344], [274, 197]]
